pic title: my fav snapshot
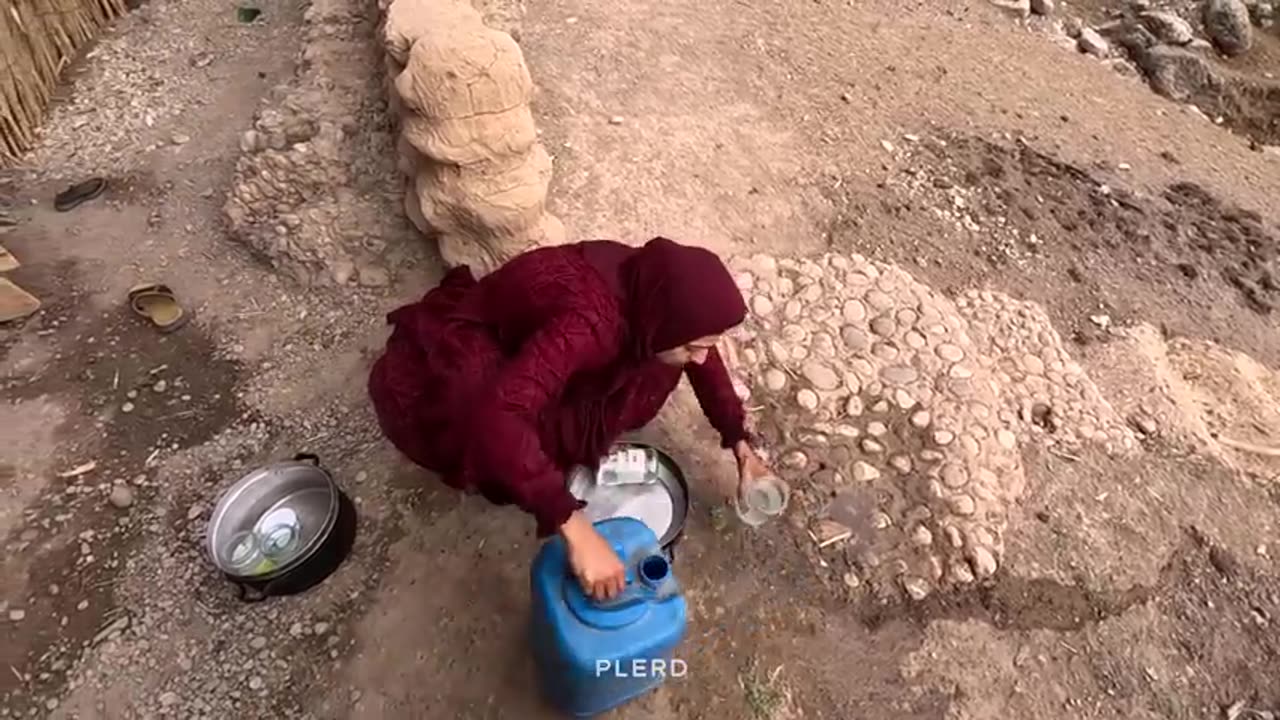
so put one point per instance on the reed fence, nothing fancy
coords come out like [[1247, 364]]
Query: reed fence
[[38, 38]]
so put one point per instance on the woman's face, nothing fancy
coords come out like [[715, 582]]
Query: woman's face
[[691, 352]]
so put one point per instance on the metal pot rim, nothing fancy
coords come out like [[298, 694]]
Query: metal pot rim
[[229, 497]]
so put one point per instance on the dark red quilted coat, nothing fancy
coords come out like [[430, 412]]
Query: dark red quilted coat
[[501, 385]]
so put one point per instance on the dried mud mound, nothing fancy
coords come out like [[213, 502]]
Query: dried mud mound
[[897, 419]]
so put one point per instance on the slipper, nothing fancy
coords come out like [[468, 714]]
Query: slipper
[[15, 303], [7, 260], [159, 304], [76, 194]]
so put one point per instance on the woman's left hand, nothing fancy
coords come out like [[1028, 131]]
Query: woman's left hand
[[750, 466]]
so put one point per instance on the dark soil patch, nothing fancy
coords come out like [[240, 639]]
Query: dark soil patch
[[1060, 235], [180, 393]]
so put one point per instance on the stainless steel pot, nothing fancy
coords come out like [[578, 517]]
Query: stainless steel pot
[[281, 529]]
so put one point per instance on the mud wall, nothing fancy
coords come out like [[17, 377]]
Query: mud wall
[[475, 174]]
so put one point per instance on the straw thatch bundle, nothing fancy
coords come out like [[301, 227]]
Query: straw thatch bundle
[[37, 40]]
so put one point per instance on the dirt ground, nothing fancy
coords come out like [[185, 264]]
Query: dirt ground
[[944, 137]]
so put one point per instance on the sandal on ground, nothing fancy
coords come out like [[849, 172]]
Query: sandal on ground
[[158, 304], [79, 193], [7, 260], [15, 303]]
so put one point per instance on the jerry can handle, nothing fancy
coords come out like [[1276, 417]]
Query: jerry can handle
[[648, 578]]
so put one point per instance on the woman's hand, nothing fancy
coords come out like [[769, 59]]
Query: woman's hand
[[596, 565], [750, 467]]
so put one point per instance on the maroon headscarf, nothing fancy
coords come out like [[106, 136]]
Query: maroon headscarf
[[671, 294]]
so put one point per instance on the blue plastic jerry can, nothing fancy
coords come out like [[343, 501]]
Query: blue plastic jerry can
[[591, 656]]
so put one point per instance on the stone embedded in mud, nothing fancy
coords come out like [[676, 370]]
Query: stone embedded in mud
[[1167, 27], [807, 399], [916, 588], [864, 472], [1228, 25], [1092, 43], [761, 305], [984, 563], [822, 376], [774, 379]]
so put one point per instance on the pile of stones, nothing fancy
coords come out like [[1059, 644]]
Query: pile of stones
[[896, 413]]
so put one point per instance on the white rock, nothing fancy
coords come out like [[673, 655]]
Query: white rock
[[822, 376], [761, 306], [121, 496], [921, 536], [921, 419], [963, 505], [1006, 439], [901, 463], [807, 399], [854, 312], [949, 352], [917, 589], [774, 379], [17, 615], [864, 472], [984, 563], [1092, 43], [943, 437], [875, 428]]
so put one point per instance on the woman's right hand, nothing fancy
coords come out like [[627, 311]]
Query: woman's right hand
[[596, 565]]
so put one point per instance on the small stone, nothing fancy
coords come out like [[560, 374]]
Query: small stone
[[169, 698], [807, 399], [1168, 27], [875, 428], [954, 476], [883, 326], [1092, 43], [984, 563], [901, 463], [1228, 25], [871, 446], [885, 351], [127, 407], [195, 511], [855, 339], [121, 496], [296, 629], [881, 521], [180, 139], [950, 353], [864, 472], [761, 306], [899, 374], [320, 628], [854, 406], [1033, 364], [82, 605], [255, 683], [879, 300], [921, 536], [744, 280], [920, 419], [17, 615], [903, 399], [258, 642], [617, 120], [854, 312], [917, 589], [1006, 439], [852, 580], [961, 573], [1042, 7], [795, 460], [1144, 424], [822, 376], [963, 505], [943, 437], [960, 372], [774, 379]]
